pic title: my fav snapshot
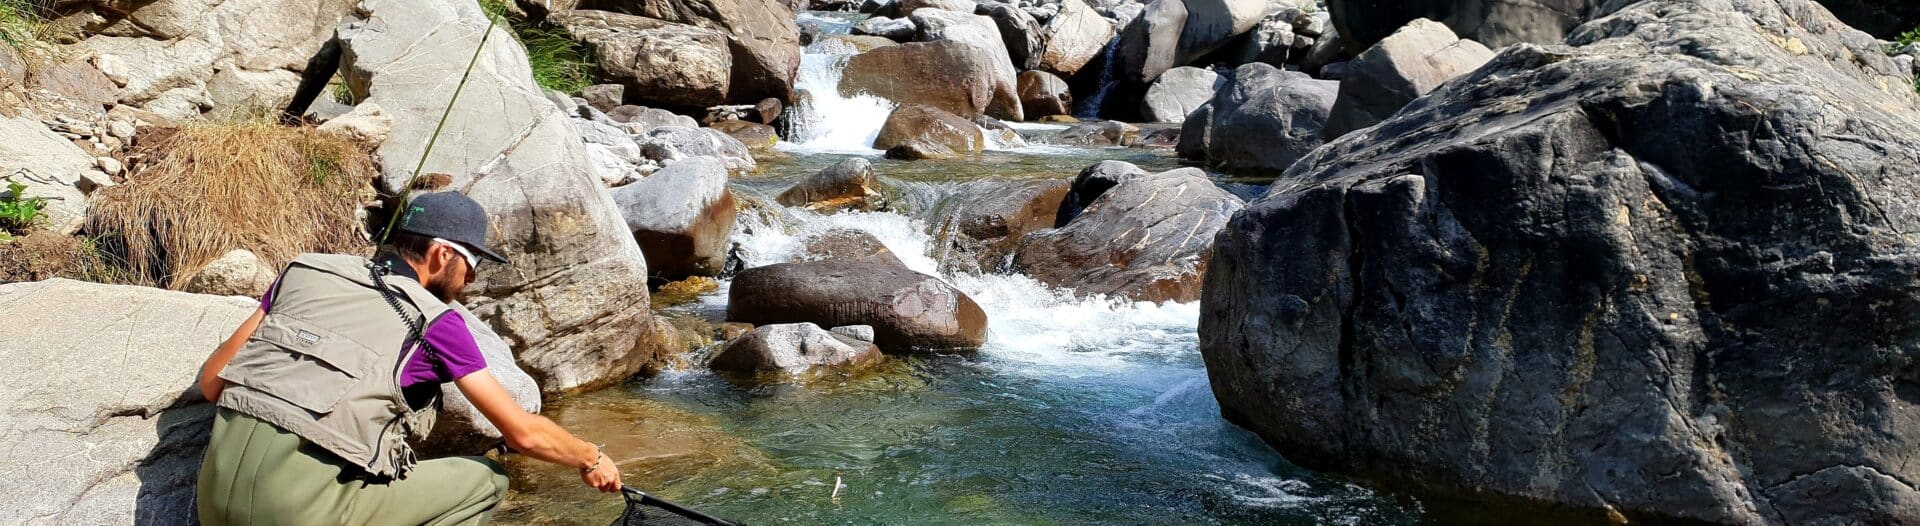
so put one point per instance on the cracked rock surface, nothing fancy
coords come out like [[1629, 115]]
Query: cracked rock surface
[[1609, 275]]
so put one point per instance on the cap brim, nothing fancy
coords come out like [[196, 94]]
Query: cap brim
[[488, 253]]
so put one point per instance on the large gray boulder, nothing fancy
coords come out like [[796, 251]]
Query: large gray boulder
[[1178, 92], [909, 311], [669, 144], [573, 301], [1265, 119], [1497, 23], [960, 78], [1412, 62], [761, 34], [981, 33], [49, 166], [659, 63], [1022, 35], [681, 217], [1173, 33], [792, 348], [179, 58], [1074, 37], [1145, 239], [112, 435], [1667, 274]]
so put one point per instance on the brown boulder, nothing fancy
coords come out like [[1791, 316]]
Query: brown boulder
[[1044, 94], [984, 221], [909, 311], [915, 132], [847, 185], [952, 75], [681, 217], [759, 138], [760, 33]]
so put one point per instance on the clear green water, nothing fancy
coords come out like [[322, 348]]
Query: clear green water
[[1077, 411]]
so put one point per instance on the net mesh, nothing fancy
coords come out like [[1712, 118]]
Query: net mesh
[[639, 513]]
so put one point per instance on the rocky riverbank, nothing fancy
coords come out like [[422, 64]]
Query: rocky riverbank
[[1644, 260]]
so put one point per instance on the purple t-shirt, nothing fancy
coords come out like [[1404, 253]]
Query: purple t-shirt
[[451, 352]]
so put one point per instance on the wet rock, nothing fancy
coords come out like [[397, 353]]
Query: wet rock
[[859, 44], [236, 273], [959, 78], [1178, 92], [659, 63], [1401, 68], [1098, 134], [915, 132], [793, 348], [574, 298], [1090, 184], [1074, 37], [758, 138], [847, 185], [760, 33], [1019, 32], [1158, 138], [604, 97], [669, 144], [984, 221], [981, 33], [1265, 119], [1585, 249], [895, 29], [126, 419], [909, 311], [1145, 239], [50, 167], [681, 217], [1497, 23], [1043, 94], [847, 244]]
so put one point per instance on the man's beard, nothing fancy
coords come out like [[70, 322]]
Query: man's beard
[[443, 287]]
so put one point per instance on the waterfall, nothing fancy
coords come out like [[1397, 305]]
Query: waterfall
[[828, 122], [1089, 108]]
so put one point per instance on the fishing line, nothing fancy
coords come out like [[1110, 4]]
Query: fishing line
[[407, 191]]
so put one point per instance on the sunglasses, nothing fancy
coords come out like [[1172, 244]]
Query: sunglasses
[[472, 262]]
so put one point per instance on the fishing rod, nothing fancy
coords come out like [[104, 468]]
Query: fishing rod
[[407, 191]]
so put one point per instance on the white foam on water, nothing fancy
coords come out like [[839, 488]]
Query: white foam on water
[[781, 240], [829, 122]]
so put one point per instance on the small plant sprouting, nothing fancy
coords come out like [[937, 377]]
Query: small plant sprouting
[[18, 212]]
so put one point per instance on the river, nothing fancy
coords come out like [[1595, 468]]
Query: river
[[1077, 411]]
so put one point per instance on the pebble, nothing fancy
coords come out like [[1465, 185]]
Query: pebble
[[121, 129], [109, 165], [94, 180]]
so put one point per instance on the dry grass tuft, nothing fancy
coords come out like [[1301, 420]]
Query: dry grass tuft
[[214, 187], [46, 255]]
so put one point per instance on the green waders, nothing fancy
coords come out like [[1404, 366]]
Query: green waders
[[258, 474]]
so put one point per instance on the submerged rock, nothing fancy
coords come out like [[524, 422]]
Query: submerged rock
[[909, 311], [847, 185], [1408, 64], [681, 217], [1145, 239], [915, 132], [793, 348], [1667, 273]]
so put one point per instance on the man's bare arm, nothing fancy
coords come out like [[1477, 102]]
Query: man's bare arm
[[210, 382]]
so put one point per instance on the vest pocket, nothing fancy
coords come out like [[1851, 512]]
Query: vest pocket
[[301, 363]]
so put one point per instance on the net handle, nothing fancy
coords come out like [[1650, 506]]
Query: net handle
[[633, 494]]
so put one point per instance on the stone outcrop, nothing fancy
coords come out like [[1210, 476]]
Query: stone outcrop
[[573, 302], [681, 218], [793, 348], [955, 76], [847, 185], [914, 132], [1145, 239], [1496, 23], [1665, 274], [659, 63], [1042, 94], [1263, 120], [761, 34], [1408, 64], [1178, 92], [909, 311]]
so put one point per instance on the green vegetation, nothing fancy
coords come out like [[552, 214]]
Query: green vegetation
[[559, 63], [1904, 40], [18, 212], [24, 28]]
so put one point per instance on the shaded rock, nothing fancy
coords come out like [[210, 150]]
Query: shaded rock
[[1173, 33], [681, 217], [126, 420], [954, 76], [895, 29], [1497, 23], [1196, 134], [50, 166], [1178, 92], [659, 63], [1266, 119], [604, 97], [1019, 32], [909, 311], [915, 131], [1043, 94], [1158, 138], [460, 428], [1145, 239], [1574, 277], [573, 302], [1401, 68], [847, 185], [1074, 37], [1090, 184], [669, 144], [1098, 134], [1885, 20], [757, 137], [764, 41], [792, 348], [983, 221], [978, 31], [236, 273]]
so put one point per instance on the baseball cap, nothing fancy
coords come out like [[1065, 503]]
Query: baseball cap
[[451, 216]]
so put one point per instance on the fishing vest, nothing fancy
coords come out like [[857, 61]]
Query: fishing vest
[[326, 362]]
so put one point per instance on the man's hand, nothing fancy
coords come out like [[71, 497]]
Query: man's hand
[[604, 477]]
